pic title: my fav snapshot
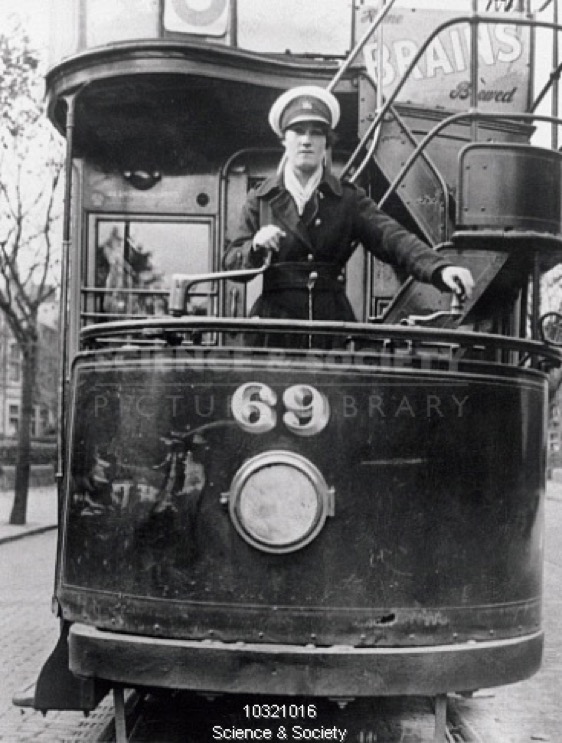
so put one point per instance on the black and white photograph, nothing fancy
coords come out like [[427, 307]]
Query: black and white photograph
[[280, 371]]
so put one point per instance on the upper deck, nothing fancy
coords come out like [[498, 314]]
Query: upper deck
[[167, 104], [203, 64]]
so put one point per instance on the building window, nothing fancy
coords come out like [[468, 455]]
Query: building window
[[43, 420], [14, 363], [13, 419], [39, 420]]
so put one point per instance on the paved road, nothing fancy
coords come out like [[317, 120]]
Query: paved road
[[28, 632], [531, 710]]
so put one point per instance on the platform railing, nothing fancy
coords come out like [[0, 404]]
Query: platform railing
[[359, 339]]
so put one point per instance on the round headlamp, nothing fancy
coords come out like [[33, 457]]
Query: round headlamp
[[279, 501]]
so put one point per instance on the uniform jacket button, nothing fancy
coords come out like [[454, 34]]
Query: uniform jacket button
[[310, 257], [317, 221], [341, 278]]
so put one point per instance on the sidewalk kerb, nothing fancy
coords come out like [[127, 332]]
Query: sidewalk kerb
[[27, 533]]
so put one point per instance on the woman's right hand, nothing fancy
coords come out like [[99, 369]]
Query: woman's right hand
[[267, 239]]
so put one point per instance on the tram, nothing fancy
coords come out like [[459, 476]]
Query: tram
[[246, 518]]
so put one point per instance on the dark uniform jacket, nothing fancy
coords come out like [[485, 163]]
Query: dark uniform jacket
[[337, 218]]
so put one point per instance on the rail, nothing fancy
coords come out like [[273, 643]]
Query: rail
[[454, 118], [435, 172], [381, 15], [175, 331], [379, 18], [182, 283], [473, 20]]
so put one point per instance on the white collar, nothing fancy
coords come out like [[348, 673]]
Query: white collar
[[301, 194]]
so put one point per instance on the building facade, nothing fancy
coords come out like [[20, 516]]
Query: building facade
[[44, 409]]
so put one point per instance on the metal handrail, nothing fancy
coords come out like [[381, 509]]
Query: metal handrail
[[474, 19], [379, 18], [150, 328], [122, 290], [430, 164], [451, 120], [182, 282], [553, 78], [393, 96], [381, 15]]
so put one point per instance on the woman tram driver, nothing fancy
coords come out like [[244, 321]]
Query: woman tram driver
[[311, 223]]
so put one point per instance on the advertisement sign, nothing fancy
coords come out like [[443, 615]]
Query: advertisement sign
[[202, 17], [441, 78]]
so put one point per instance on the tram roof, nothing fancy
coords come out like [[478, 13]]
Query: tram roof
[[162, 96]]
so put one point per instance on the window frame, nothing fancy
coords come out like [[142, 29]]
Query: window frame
[[88, 287]]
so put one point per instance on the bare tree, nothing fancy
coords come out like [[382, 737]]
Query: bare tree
[[30, 171]]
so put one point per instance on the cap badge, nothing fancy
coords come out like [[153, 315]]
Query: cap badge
[[307, 105]]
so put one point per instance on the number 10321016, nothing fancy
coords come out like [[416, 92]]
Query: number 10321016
[[280, 711]]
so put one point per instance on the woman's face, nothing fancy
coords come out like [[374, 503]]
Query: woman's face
[[305, 146]]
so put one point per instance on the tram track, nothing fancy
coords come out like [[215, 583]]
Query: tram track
[[133, 711], [459, 730], [152, 719]]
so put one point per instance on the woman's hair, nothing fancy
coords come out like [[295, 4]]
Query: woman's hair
[[331, 138]]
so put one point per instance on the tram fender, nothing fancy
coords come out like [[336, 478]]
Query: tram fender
[[58, 688]]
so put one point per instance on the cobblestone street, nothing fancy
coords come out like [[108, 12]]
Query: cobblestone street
[[28, 634]]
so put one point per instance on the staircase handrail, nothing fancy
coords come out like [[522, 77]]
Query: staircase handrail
[[471, 115], [379, 18], [473, 19], [427, 159]]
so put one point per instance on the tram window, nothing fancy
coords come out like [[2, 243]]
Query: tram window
[[313, 27], [132, 262]]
